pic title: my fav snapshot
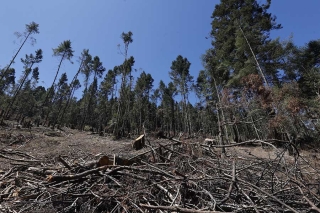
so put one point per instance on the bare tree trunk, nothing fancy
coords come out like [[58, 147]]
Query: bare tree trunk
[[254, 56], [14, 57], [221, 138], [222, 113], [70, 95], [51, 90]]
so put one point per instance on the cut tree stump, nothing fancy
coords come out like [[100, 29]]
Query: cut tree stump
[[103, 161], [210, 141], [139, 143]]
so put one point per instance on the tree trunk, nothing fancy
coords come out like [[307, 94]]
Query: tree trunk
[[261, 72], [17, 91], [54, 80], [70, 95], [14, 57], [222, 113]]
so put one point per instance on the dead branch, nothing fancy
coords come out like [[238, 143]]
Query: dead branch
[[194, 179], [177, 208]]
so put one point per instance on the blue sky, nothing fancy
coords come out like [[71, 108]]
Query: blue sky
[[162, 29]]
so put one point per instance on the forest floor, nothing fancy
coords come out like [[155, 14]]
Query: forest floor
[[40, 146], [45, 143]]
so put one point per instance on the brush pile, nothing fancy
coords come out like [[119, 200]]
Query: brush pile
[[175, 177]]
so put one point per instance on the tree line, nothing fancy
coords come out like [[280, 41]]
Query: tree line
[[251, 86]]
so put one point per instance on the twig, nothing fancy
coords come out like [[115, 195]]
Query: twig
[[20, 160], [254, 206], [238, 144], [177, 208], [233, 181], [313, 206], [64, 162], [266, 193]]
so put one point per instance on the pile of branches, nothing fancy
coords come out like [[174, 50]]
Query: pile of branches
[[176, 177]]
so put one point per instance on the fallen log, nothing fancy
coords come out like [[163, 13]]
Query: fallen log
[[41, 171]]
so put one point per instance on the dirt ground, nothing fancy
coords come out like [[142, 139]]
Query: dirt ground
[[29, 158], [46, 144]]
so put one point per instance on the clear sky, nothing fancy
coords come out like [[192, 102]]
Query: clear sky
[[162, 29]]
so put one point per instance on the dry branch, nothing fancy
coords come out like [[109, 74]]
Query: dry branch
[[177, 208], [194, 179]]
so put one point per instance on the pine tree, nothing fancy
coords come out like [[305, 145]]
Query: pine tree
[[97, 69], [64, 51], [182, 79], [240, 32], [142, 90], [32, 28], [28, 62]]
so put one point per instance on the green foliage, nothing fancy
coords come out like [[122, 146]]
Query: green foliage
[[7, 80], [306, 63], [106, 87], [85, 67], [31, 59], [32, 27], [127, 38], [231, 50], [234, 100], [180, 74], [64, 50], [141, 106], [144, 85], [97, 67], [91, 96]]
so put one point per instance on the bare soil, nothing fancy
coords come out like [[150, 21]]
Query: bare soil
[[293, 180], [45, 143]]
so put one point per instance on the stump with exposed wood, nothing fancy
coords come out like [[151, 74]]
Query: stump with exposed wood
[[210, 141], [103, 161], [139, 143], [117, 160], [120, 161]]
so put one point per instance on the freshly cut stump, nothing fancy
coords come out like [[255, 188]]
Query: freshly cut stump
[[138, 143]]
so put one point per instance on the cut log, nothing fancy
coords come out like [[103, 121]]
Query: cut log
[[210, 141], [121, 161], [41, 171], [104, 160], [139, 143]]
